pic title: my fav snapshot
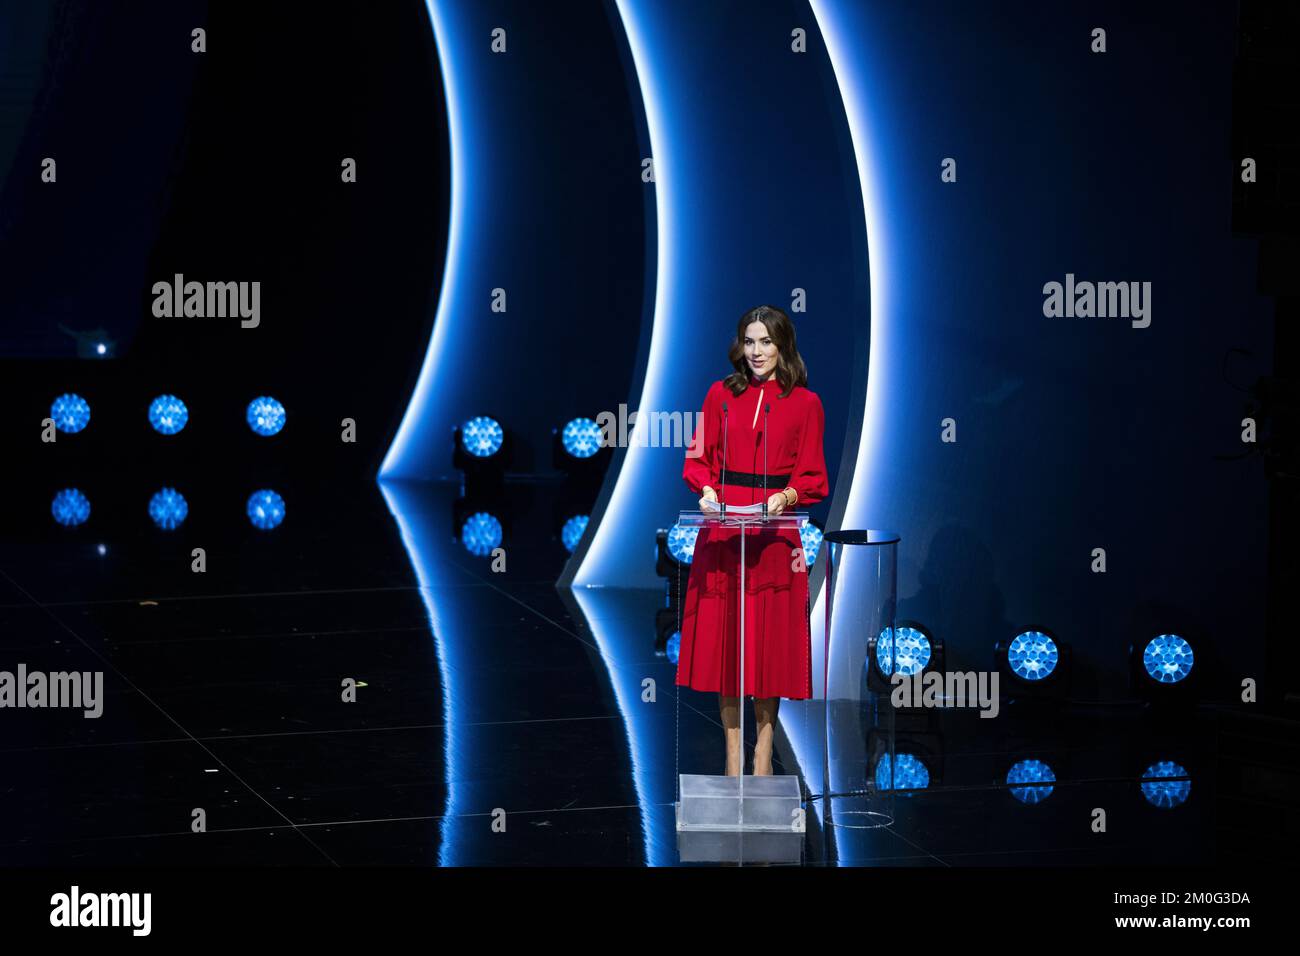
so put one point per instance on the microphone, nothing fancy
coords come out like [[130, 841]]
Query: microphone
[[722, 494], [766, 408]]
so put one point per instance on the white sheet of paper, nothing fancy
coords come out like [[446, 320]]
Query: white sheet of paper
[[755, 509]]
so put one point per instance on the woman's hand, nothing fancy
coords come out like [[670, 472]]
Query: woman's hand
[[710, 500], [776, 504]]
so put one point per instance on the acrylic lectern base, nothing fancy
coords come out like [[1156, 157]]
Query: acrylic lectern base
[[717, 823]]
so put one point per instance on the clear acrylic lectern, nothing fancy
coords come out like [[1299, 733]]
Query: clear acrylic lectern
[[742, 818]]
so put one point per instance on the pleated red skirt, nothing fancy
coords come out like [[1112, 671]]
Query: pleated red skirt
[[778, 642]]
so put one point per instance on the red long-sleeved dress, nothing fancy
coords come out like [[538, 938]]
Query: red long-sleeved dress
[[778, 652]]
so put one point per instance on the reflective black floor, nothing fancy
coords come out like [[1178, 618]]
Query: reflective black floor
[[498, 720]]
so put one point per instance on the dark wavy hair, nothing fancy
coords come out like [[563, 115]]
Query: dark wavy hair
[[790, 369]]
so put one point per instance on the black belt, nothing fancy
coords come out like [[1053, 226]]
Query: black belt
[[746, 480]]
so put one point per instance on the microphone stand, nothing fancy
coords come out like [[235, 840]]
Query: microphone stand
[[722, 496], [767, 407]]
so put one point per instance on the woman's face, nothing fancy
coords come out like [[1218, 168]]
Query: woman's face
[[760, 350]]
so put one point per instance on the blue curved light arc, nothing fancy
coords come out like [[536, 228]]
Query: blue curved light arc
[[408, 454], [402, 458], [442, 625], [635, 478], [658, 820], [866, 135], [593, 572], [845, 57]]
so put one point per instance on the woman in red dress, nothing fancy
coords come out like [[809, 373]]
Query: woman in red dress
[[765, 402]]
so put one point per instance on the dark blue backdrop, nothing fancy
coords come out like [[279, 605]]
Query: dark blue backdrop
[[775, 171]]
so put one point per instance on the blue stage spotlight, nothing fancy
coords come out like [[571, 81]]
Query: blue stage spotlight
[[681, 543], [71, 413], [581, 438], [674, 552], [482, 450], [265, 415], [480, 533], [70, 507], [667, 623], [168, 414], [1167, 658], [810, 536], [907, 654], [1035, 664], [908, 773], [674, 647], [1033, 655], [481, 436], [912, 653], [265, 509], [1160, 791], [1163, 668], [168, 508], [91, 343], [101, 549], [579, 451], [1030, 781], [573, 530]]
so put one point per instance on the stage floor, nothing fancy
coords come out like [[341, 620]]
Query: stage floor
[[496, 720]]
